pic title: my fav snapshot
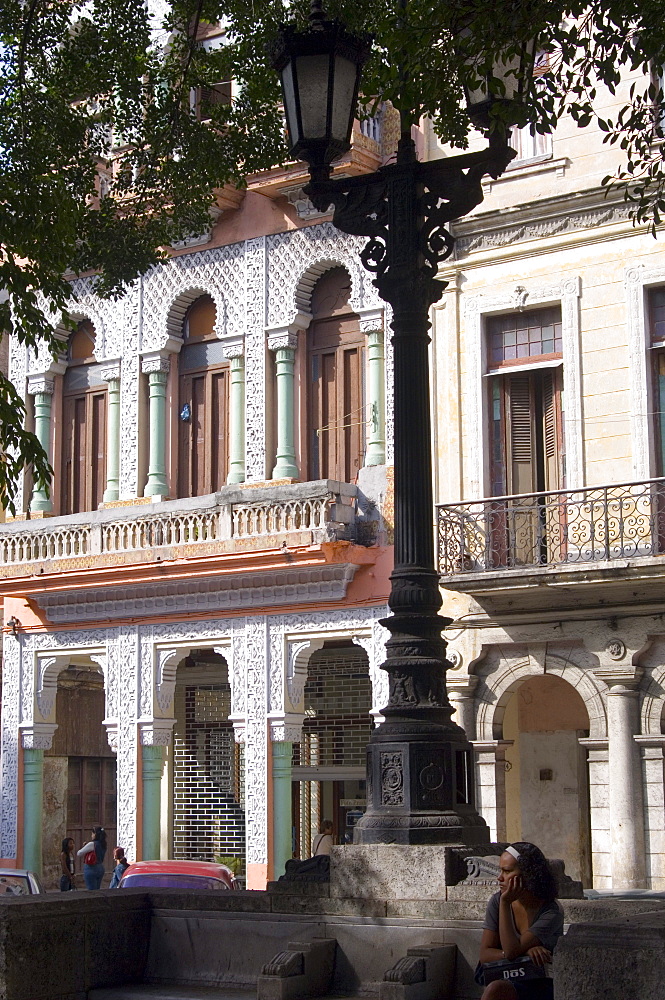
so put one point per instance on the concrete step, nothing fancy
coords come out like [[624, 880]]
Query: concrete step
[[143, 992]]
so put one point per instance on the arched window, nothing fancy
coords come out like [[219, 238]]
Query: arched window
[[335, 358], [202, 404], [84, 425]]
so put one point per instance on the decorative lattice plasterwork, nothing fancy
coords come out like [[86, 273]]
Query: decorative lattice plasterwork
[[296, 260], [128, 643], [11, 679], [255, 360], [256, 770], [169, 288], [129, 393]]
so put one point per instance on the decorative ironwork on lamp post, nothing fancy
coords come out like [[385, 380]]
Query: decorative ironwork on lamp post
[[420, 786]]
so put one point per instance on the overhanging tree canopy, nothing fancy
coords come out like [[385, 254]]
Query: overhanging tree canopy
[[105, 157]]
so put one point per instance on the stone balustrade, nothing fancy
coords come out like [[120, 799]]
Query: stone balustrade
[[265, 515]]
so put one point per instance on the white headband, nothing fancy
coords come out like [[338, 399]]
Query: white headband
[[515, 854]]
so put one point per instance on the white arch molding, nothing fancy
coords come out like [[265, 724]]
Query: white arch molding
[[496, 688]]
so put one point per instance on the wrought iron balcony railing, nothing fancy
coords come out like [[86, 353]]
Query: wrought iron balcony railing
[[602, 523]]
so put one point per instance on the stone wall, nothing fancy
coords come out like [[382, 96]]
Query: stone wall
[[59, 947]]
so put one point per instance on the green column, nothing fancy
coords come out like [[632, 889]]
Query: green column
[[158, 372], [42, 390], [376, 444], [151, 774], [282, 819], [112, 491], [285, 467], [237, 421], [33, 796]]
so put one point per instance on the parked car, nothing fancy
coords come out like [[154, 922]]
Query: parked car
[[19, 882], [178, 875]]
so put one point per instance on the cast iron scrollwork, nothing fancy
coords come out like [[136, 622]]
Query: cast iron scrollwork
[[405, 209]]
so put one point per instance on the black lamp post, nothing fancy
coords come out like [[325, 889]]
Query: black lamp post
[[420, 787]]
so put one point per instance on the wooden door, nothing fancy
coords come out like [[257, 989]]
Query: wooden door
[[336, 410], [91, 801], [202, 436], [83, 451]]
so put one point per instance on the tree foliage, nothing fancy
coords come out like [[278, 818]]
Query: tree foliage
[[104, 159]]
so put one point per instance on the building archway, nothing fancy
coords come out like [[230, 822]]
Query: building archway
[[206, 765], [329, 762], [80, 767], [547, 796]]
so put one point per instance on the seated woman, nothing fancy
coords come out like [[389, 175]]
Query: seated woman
[[523, 919]]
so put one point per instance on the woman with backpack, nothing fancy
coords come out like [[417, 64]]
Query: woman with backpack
[[93, 858]]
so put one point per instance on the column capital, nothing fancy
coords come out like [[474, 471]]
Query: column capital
[[279, 341], [40, 385], [371, 321], [462, 687], [623, 676], [111, 373], [155, 363], [286, 728], [156, 732], [234, 349], [37, 735]]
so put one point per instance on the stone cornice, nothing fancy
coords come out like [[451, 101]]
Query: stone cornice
[[540, 220], [289, 587]]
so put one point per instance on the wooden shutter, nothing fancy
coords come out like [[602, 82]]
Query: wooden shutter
[[218, 430], [97, 419], [552, 431], [352, 416], [83, 452], [202, 440], [521, 435]]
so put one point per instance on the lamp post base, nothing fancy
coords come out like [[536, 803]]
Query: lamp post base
[[419, 787]]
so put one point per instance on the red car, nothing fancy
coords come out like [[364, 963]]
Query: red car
[[178, 875]]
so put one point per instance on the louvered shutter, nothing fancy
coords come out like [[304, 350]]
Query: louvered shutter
[[551, 430], [521, 435]]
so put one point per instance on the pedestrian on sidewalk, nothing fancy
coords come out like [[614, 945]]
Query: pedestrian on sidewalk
[[93, 858], [67, 865], [121, 866], [523, 923]]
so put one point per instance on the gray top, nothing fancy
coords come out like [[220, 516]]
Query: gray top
[[547, 927]]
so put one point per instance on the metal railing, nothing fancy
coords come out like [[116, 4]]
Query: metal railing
[[602, 523]]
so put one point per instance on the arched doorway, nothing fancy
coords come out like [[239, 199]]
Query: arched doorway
[[335, 363], [206, 764], [547, 797], [202, 404], [329, 762], [79, 769], [84, 393]]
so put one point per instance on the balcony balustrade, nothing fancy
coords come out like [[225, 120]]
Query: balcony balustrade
[[304, 513], [539, 531]]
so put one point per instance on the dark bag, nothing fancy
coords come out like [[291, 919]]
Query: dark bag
[[514, 972], [91, 858]]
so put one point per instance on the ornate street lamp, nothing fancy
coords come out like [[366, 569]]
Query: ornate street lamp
[[420, 787]]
